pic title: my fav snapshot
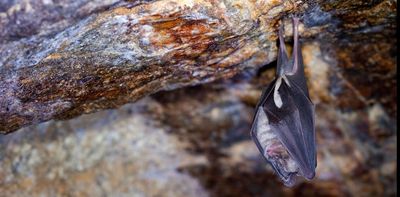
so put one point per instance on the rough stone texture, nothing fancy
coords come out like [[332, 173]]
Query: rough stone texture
[[201, 141], [120, 153], [196, 136], [61, 59], [125, 53]]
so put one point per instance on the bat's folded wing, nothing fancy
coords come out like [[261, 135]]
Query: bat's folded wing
[[285, 134]]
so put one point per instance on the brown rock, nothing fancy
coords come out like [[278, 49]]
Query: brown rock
[[128, 52]]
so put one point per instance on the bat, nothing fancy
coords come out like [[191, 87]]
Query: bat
[[283, 124]]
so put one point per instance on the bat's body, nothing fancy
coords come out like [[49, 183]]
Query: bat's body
[[283, 125]]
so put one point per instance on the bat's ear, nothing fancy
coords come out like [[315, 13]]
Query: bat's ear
[[283, 59]]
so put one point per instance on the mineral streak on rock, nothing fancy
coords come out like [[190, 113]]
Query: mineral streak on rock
[[125, 53], [59, 59], [349, 53]]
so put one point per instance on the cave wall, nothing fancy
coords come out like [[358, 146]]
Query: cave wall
[[192, 109]]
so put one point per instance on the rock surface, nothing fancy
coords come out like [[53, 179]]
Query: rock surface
[[201, 141], [195, 134], [121, 153], [124, 53]]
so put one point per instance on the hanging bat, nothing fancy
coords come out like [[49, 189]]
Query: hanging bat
[[283, 125]]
